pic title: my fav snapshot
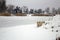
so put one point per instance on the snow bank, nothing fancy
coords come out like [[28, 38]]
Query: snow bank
[[26, 32], [25, 28]]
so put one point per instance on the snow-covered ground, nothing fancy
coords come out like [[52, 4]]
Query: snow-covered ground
[[21, 20], [25, 28]]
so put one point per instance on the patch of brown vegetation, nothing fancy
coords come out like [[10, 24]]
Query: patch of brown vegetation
[[5, 14], [39, 24], [21, 14], [43, 15]]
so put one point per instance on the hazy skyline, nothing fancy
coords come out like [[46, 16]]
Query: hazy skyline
[[35, 3]]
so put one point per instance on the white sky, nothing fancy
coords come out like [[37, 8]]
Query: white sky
[[35, 3]]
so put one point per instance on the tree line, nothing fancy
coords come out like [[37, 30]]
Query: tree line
[[16, 9]]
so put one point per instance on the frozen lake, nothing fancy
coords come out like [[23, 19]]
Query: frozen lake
[[14, 21], [24, 28]]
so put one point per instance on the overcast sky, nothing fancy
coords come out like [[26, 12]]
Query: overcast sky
[[35, 3]]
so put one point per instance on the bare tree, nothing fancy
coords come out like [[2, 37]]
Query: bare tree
[[10, 8], [36, 11], [2, 5], [31, 11], [39, 10], [24, 9], [47, 10], [58, 10], [53, 10]]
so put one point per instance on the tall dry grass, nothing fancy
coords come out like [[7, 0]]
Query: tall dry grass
[[43, 15], [21, 14], [5, 14]]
